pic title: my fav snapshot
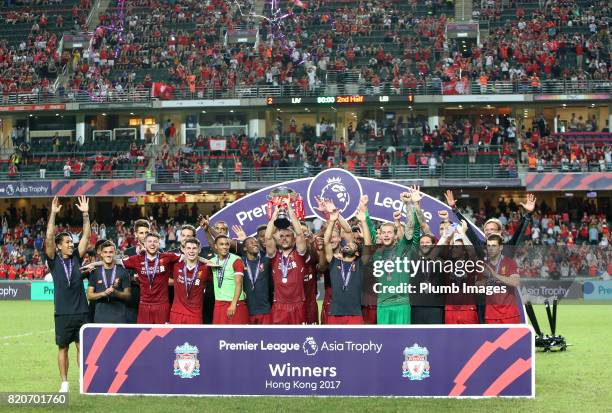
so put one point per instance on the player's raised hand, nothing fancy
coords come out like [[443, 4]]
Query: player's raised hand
[[363, 201], [529, 206], [203, 221], [56, 206], [415, 194], [83, 204], [450, 199], [397, 216], [405, 197], [320, 204], [240, 234], [462, 229]]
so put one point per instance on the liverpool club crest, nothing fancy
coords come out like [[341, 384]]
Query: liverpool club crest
[[415, 366], [186, 364]]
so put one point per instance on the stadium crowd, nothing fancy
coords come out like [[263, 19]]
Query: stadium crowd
[[381, 45]]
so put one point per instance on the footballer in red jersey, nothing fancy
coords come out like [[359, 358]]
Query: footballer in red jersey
[[501, 308], [310, 280], [189, 284], [153, 269], [289, 262]]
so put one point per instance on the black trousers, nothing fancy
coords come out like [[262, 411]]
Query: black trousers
[[426, 314]]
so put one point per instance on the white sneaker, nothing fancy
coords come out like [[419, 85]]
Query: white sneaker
[[64, 388]]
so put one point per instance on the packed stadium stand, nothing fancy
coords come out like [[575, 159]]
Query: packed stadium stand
[[225, 92]]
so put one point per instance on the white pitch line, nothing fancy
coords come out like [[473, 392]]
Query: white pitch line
[[24, 335]]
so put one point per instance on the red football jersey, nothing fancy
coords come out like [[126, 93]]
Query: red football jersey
[[310, 278], [290, 289], [155, 292], [189, 301], [503, 305]]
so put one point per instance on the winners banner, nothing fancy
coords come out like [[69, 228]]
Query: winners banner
[[437, 361]]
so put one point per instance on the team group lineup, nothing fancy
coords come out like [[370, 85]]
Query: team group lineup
[[271, 278]]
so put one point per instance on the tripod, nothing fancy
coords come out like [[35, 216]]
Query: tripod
[[547, 342]]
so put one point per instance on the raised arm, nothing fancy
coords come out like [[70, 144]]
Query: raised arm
[[470, 233], [269, 235], [301, 245], [205, 226], [50, 236], [416, 197], [529, 207], [408, 209], [321, 253], [329, 230], [367, 236], [327, 206], [83, 206], [397, 221]]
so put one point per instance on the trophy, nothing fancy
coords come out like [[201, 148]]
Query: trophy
[[280, 197]]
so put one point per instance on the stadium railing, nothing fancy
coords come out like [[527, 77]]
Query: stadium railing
[[86, 174], [434, 87], [286, 173]]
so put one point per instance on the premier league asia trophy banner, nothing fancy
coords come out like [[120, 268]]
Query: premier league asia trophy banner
[[441, 361]]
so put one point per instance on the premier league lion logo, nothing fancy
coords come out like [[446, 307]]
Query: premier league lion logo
[[310, 346], [186, 364], [336, 191], [415, 365], [339, 186]]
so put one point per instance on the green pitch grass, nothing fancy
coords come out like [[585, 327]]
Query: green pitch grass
[[576, 380]]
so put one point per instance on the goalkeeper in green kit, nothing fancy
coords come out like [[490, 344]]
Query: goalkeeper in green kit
[[392, 293]]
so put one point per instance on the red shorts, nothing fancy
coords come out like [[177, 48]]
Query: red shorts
[[261, 319], [312, 311], [153, 313], [468, 315], [344, 319], [508, 320], [178, 318], [241, 316], [369, 314], [293, 313]]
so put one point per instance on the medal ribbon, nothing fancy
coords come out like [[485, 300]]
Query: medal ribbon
[[150, 277], [251, 277], [67, 269], [221, 271], [285, 267], [346, 275], [112, 279], [492, 280], [189, 281]]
